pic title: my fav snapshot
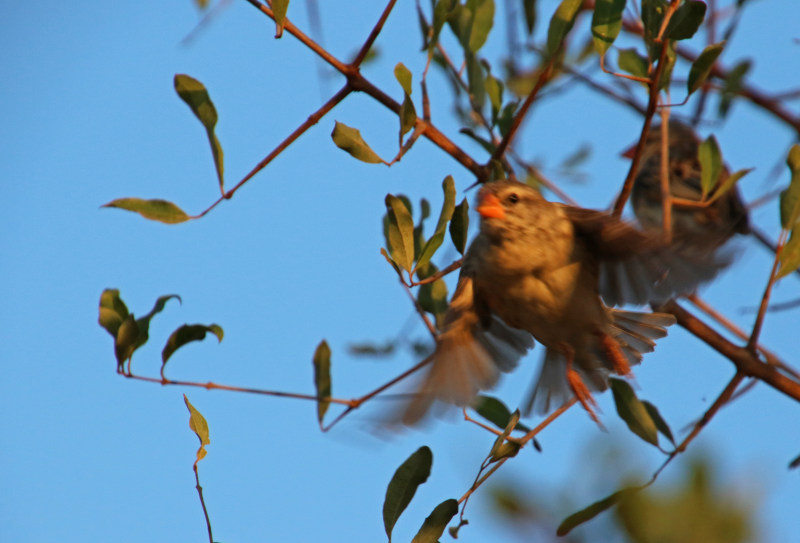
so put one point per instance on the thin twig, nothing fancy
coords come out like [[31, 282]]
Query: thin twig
[[202, 501], [373, 35], [438, 275]]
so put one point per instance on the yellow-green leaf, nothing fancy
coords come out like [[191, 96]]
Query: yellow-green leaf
[[198, 424], [113, 311], [430, 247], [434, 525], [194, 93], [279, 8], [403, 76], [790, 256], [408, 116], [588, 513], [790, 197], [561, 23], [481, 24], [631, 410], [629, 60], [400, 232], [322, 377], [350, 140], [710, 159], [156, 210]]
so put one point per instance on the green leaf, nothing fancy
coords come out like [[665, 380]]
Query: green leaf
[[441, 13], [156, 210], [496, 412], [659, 421], [588, 513], [198, 424], [529, 9], [411, 473], [322, 377], [279, 8], [433, 527], [701, 67], [459, 225], [710, 159], [194, 93], [400, 232], [350, 140], [476, 82], [186, 334], [432, 297], [494, 90], [652, 15], [629, 60], [403, 76], [606, 23], [127, 339], [561, 23], [408, 116], [732, 85], [631, 410], [502, 448], [391, 262], [790, 197], [113, 311], [686, 20], [487, 145], [790, 256], [729, 182], [480, 24], [669, 65], [435, 241]]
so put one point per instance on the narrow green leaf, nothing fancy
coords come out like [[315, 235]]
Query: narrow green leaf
[[186, 334], [686, 20], [113, 311], [161, 302], [631, 410], [732, 85], [561, 23], [459, 225], [659, 421], [403, 76], [194, 93], [279, 8], [431, 246], [350, 140], [391, 262], [701, 67], [496, 412], [411, 473], [322, 377], [408, 116], [502, 448], [487, 145], [494, 90], [606, 23], [432, 297], [506, 118], [400, 233], [790, 256], [790, 197], [629, 60], [482, 20], [652, 16], [710, 159], [198, 424], [588, 513], [529, 9], [728, 183], [433, 527], [156, 210], [475, 82]]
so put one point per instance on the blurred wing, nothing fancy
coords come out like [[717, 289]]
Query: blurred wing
[[471, 351], [637, 267]]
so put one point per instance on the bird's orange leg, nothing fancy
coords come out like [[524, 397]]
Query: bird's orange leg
[[578, 387], [614, 353]]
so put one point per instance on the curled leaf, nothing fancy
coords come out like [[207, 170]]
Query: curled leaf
[[186, 334], [194, 93], [350, 140], [198, 424]]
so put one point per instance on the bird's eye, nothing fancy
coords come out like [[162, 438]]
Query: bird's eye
[[513, 198]]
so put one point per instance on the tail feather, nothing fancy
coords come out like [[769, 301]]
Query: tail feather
[[634, 332]]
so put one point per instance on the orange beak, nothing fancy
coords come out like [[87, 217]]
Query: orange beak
[[489, 207]]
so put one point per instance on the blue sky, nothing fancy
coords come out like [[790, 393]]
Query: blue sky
[[90, 115]]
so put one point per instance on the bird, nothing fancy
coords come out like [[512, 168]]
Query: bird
[[706, 228], [532, 273]]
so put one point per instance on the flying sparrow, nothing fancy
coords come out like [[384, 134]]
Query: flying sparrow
[[533, 272]]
